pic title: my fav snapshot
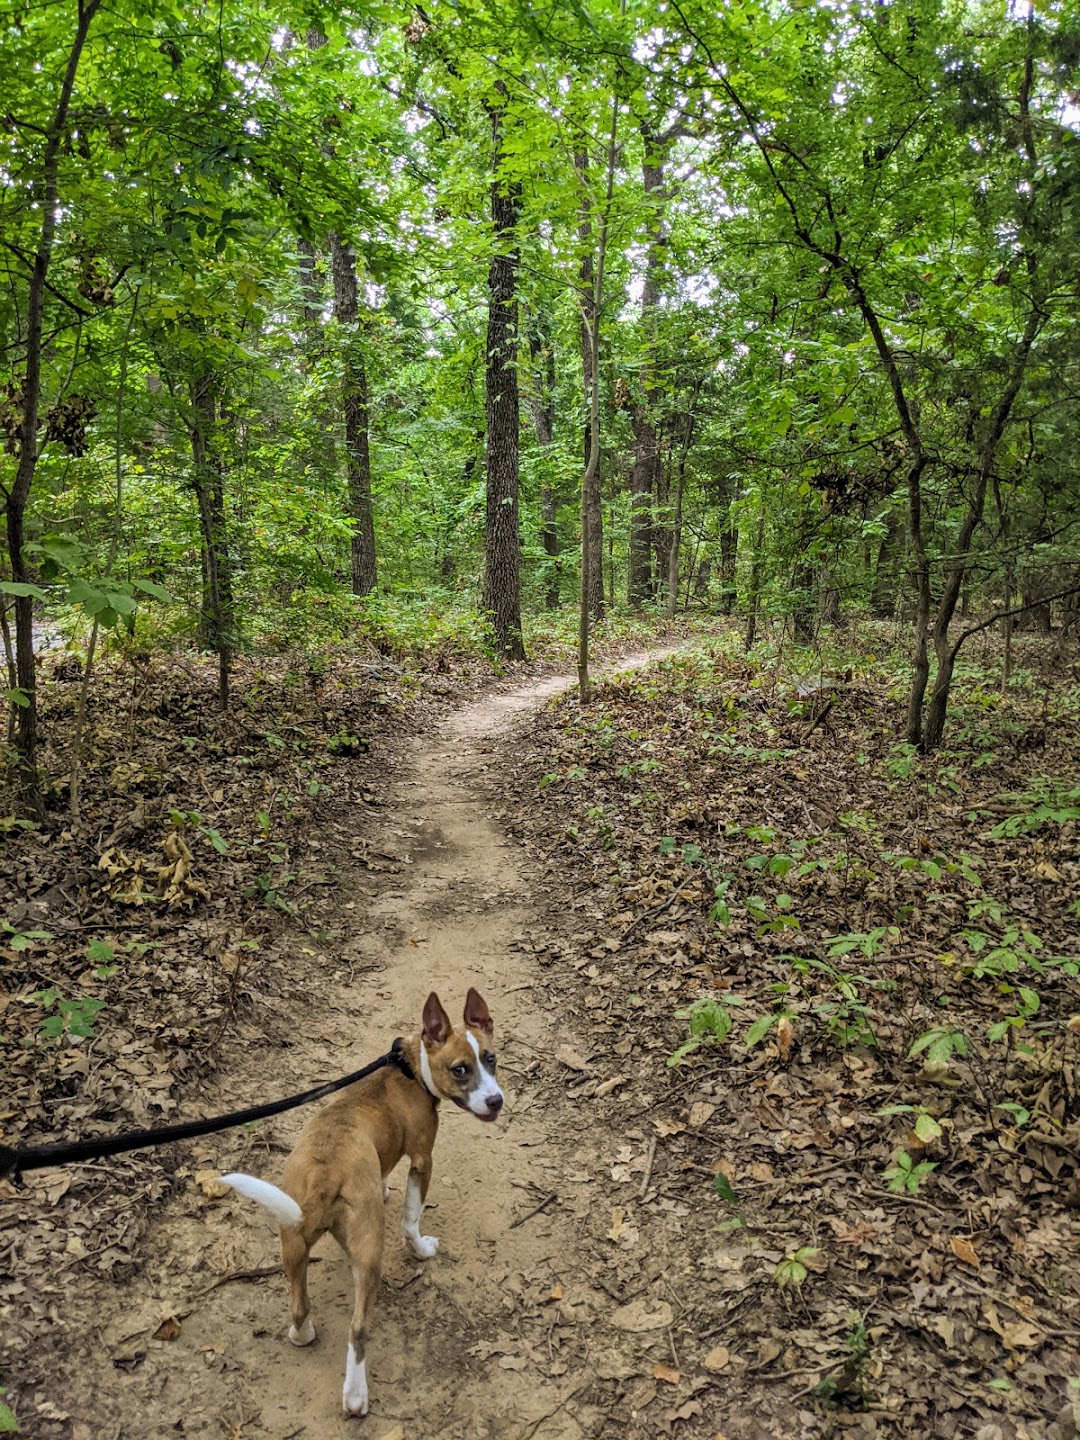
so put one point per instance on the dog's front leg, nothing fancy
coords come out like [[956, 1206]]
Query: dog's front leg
[[423, 1246]]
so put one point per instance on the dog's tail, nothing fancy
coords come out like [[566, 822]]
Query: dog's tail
[[282, 1207]]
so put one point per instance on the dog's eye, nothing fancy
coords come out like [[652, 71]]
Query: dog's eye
[[461, 1070], [489, 1060]]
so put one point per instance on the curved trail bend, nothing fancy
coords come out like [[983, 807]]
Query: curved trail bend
[[447, 1356]]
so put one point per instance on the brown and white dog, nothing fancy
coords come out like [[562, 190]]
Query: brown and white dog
[[335, 1177]]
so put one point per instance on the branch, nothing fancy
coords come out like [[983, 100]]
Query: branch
[[1018, 610]]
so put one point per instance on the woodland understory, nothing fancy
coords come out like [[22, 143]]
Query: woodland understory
[[859, 1174], [359, 361]]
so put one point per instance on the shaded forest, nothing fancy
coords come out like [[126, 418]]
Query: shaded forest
[[366, 369]]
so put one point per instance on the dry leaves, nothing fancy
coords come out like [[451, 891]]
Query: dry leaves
[[641, 1316]]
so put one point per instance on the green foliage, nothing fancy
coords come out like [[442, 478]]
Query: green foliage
[[19, 940], [72, 1019], [8, 1424], [795, 1268], [710, 1022], [906, 1176], [940, 1045]]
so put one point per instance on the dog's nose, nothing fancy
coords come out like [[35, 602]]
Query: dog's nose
[[495, 1104]]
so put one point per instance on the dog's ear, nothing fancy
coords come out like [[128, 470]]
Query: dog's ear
[[437, 1025], [477, 1015]]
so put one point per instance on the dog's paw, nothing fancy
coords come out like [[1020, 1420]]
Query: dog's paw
[[305, 1335], [354, 1397], [424, 1247]]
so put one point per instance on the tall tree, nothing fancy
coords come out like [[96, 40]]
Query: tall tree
[[46, 195], [592, 514], [502, 539], [542, 400], [646, 442], [354, 406]]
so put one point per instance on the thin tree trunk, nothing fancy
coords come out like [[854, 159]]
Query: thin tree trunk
[[754, 597], [543, 408], [310, 299], [646, 446], [217, 628], [1006, 586], [593, 515], [502, 541], [954, 576], [883, 589], [354, 403], [677, 512], [25, 734], [590, 562]]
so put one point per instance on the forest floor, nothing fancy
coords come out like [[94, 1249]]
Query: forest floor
[[596, 1280]]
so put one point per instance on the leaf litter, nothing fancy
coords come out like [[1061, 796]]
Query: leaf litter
[[837, 901]]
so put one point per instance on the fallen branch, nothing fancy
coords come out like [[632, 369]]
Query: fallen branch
[[553, 1195], [656, 910], [648, 1168]]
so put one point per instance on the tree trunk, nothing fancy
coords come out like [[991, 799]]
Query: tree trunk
[[217, 625], [883, 590], [646, 447], [502, 542], [592, 512], [957, 570], [677, 510], [354, 401], [590, 563], [543, 407], [754, 597], [729, 557], [310, 298], [920, 658], [25, 728]]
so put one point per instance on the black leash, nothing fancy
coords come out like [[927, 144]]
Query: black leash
[[13, 1162]]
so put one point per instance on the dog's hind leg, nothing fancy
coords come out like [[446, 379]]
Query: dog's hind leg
[[294, 1261], [363, 1240]]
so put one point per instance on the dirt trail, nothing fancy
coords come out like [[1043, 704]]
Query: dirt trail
[[444, 1358]]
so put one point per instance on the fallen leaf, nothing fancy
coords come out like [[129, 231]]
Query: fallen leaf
[[621, 1231], [717, 1359], [668, 1127], [641, 1396], [209, 1182], [1015, 1334], [964, 1250], [612, 1365], [571, 1059], [785, 1034], [701, 1112], [169, 1329], [946, 1328], [512, 1362], [607, 1086], [685, 1412], [556, 1292], [666, 1373], [641, 1315]]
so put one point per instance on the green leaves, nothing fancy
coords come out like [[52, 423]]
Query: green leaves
[[905, 1176], [22, 590], [710, 1022]]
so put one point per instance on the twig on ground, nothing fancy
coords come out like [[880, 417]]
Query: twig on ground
[[544, 1203], [648, 1168], [656, 910]]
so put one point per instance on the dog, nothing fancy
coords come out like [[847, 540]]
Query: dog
[[335, 1178]]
